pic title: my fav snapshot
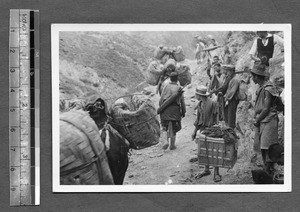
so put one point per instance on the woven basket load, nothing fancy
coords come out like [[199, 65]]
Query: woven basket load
[[83, 158], [215, 152], [154, 71], [184, 75], [136, 120], [178, 54]]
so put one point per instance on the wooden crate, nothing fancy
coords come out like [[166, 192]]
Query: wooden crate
[[214, 152]]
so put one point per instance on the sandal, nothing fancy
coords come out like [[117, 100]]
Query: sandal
[[205, 173], [217, 178], [193, 160]]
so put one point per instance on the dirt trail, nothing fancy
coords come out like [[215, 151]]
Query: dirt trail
[[155, 166]]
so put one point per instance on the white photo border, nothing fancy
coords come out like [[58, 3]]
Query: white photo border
[[286, 187]]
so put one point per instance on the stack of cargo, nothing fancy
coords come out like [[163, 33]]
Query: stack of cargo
[[167, 59]]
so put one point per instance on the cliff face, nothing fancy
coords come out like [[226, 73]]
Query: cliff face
[[241, 42]]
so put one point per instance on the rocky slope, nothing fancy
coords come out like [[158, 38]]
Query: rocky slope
[[111, 64]]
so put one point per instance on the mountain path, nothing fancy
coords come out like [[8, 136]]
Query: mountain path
[[155, 166]]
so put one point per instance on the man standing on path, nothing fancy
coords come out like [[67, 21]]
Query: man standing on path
[[207, 116], [266, 114], [229, 90], [263, 47], [171, 116]]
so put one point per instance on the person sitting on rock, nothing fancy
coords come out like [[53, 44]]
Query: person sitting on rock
[[207, 113]]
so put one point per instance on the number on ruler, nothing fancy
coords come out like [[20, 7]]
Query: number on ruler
[[12, 110], [13, 149], [12, 51], [24, 104], [12, 90], [12, 169], [13, 189], [12, 70], [12, 129], [25, 156]]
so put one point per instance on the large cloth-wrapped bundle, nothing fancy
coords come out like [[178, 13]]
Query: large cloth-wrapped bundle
[[154, 71], [184, 74], [165, 58], [178, 54], [136, 120], [160, 51], [83, 158], [171, 63]]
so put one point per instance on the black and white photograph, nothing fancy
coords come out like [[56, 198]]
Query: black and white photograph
[[171, 107]]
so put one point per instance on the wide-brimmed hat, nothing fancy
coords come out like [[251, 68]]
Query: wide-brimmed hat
[[202, 90], [228, 67], [260, 69]]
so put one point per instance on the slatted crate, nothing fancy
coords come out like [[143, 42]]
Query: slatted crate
[[214, 152]]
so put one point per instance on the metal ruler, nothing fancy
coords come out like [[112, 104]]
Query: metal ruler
[[24, 107]]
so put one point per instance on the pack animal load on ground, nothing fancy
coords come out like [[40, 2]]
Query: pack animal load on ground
[[154, 71], [178, 54], [160, 51], [184, 74], [83, 159], [136, 120], [219, 149]]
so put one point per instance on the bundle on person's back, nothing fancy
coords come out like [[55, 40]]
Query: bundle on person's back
[[168, 58], [136, 120]]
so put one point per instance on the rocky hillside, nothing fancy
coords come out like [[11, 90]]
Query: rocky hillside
[[240, 44], [111, 64]]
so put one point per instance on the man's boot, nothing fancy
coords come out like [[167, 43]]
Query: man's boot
[[165, 142], [172, 146]]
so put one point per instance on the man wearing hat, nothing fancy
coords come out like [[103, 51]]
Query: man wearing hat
[[207, 116], [263, 47], [266, 118], [229, 90], [171, 116]]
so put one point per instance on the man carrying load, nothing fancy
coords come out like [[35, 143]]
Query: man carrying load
[[207, 116], [172, 109]]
